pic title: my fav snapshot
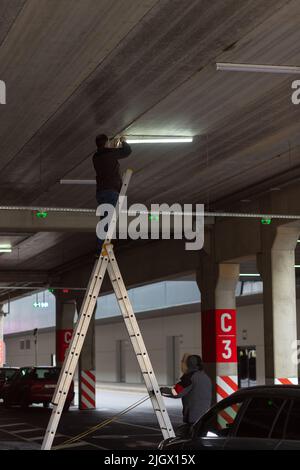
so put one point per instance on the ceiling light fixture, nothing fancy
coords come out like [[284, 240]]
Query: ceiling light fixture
[[230, 67], [88, 182], [250, 275], [5, 248], [148, 139]]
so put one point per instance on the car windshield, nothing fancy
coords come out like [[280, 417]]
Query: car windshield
[[46, 373], [7, 374], [10, 373]]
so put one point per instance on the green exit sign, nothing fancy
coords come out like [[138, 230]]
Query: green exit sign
[[41, 214], [266, 221]]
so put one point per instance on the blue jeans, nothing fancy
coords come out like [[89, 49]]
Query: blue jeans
[[106, 196]]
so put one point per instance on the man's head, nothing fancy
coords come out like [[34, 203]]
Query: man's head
[[194, 362], [191, 362], [101, 141]]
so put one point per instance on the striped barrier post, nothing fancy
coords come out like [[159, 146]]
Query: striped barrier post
[[286, 381], [220, 355], [87, 392], [225, 386]]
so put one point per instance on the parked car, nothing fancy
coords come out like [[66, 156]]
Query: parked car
[[6, 373], [264, 417], [34, 385]]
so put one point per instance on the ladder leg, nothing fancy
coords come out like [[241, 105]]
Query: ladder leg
[[73, 352], [139, 345], [79, 333]]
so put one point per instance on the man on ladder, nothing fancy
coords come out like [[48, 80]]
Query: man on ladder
[[107, 167], [107, 262]]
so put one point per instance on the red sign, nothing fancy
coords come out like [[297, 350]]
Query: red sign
[[219, 335], [63, 338]]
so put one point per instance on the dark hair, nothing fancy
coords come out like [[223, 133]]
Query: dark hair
[[195, 361], [101, 140]]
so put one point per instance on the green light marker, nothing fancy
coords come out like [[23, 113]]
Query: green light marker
[[266, 221], [154, 217], [41, 215]]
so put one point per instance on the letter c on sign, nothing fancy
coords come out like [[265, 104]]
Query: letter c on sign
[[224, 317], [68, 335]]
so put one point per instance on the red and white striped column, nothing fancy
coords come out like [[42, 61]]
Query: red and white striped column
[[87, 366], [87, 392], [217, 283], [226, 385], [219, 349], [286, 381]]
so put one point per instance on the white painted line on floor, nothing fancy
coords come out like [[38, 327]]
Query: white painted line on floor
[[83, 443], [138, 426], [27, 430], [12, 424], [107, 436], [36, 438]]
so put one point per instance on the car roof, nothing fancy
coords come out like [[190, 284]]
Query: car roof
[[40, 367], [267, 390]]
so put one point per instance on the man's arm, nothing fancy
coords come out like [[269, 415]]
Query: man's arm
[[121, 152], [179, 390]]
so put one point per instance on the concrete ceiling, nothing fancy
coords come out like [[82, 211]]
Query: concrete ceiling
[[74, 68]]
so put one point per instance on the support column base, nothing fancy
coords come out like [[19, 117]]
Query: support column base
[[87, 391]]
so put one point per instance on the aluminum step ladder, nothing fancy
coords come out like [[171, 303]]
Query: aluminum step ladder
[[107, 262]]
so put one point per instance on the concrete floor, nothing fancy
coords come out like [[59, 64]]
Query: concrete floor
[[24, 429]]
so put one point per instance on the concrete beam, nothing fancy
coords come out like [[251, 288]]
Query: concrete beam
[[27, 221], [24, 276], [140, 264]]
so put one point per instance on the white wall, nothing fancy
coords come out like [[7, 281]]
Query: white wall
[[15, 356], [155, 332]]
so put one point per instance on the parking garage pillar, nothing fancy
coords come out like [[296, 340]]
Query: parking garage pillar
[[217, 283], [65, 313], [276, 264], [87, 369]]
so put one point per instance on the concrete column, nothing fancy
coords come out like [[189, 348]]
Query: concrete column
[[65, 313], [87, 369], [217, 283], [276, 265]]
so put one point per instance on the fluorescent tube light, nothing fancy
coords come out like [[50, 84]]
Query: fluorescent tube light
[[78, 182], [229, 67], [137, 139], [5, 248], [250, 275]]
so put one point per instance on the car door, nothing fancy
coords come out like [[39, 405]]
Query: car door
[[291, 434], [19, 385], [255, 426], [213, 429]]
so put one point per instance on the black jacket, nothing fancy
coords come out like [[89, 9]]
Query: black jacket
[[107, 167]]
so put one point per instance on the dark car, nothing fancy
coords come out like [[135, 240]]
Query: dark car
[[6, 374], [265, 417], [34, 385]]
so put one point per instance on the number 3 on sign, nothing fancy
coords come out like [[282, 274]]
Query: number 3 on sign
[[227, 349]]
